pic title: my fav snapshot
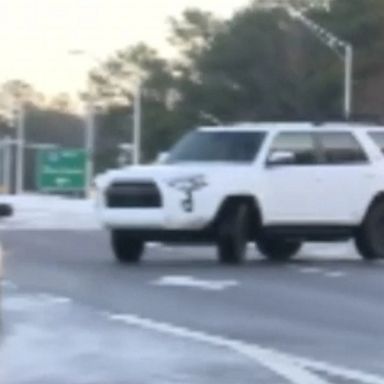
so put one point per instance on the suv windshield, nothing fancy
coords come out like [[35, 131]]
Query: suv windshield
[[239, 147]]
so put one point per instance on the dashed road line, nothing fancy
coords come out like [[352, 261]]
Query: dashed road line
[[6, 284], [310, 270], [193, 282], [335, 274], [53, 299], [322, 272]]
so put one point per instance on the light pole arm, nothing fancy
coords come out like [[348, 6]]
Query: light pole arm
[[342, 48]]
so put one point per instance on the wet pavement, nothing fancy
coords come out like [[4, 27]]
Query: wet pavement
[[72, 315], [52, 340]]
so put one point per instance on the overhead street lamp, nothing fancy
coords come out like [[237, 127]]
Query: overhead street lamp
[[137, 116], [342, 48]]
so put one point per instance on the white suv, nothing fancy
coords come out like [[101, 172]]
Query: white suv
[[277, 184]]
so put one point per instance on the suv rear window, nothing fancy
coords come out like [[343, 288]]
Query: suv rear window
[[300, 144], [378, 138], [341, 148]]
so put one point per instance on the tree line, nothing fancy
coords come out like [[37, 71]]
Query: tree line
[[260, 64]]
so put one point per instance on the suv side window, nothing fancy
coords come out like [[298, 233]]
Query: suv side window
[[300, 144], [341, 148], [378, 138]]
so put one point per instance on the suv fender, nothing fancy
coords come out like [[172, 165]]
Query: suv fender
[[379, 197], [252, 204]]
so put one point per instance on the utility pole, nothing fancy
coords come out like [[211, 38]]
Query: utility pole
[[7, 164], [137, 120], [20, 147], [348, 88], [89, 143]]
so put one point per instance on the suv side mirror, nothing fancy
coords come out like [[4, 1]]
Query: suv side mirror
[[161, 157], [281, 158]]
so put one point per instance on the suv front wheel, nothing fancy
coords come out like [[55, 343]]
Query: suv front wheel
[[127, 249], [277, 248], [369, 238], [232, 236]]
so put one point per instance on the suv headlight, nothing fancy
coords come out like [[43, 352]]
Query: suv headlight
[[188, 183]]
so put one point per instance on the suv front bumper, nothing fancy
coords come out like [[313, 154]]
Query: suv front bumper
[[151, 219]]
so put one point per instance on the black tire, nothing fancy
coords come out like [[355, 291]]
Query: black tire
[[5, 210], [233, 234], [277, 248], [369, 239], [127, 249]]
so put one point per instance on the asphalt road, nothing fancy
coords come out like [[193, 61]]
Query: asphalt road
[[70, 314]]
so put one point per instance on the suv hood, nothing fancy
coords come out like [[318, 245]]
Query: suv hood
[[165, 173]]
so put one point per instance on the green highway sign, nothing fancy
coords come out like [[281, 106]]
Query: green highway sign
[[61, 169]]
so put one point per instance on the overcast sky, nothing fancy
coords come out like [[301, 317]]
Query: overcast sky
[[36, 35]]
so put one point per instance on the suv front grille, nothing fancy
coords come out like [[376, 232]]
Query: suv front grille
[[133, 195]]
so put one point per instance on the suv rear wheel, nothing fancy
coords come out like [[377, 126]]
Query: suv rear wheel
[[369, 238], [127, 249], [233, 234], [278, 248]]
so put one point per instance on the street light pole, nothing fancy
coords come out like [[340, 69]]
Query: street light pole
[[89, 143], [137, 117], [90, 126], [20, 145], [348, 86], [7, 164]]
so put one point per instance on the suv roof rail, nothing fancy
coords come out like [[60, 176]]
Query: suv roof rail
[[355, 119], [319, 120]]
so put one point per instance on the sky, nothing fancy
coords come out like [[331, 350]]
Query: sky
[[37, 35]]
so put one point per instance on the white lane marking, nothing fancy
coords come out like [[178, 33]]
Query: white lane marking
[[192, 282], [325, 250], [335, 274], [52, 299], [28, 302], [6, 284], [349, 374], [310, 270], [317, 270], [153, 245], [295, 369], [276, 362]]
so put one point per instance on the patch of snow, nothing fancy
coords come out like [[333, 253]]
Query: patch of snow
[[49, 212]]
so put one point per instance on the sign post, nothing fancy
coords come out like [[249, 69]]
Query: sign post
[[61, 170]]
